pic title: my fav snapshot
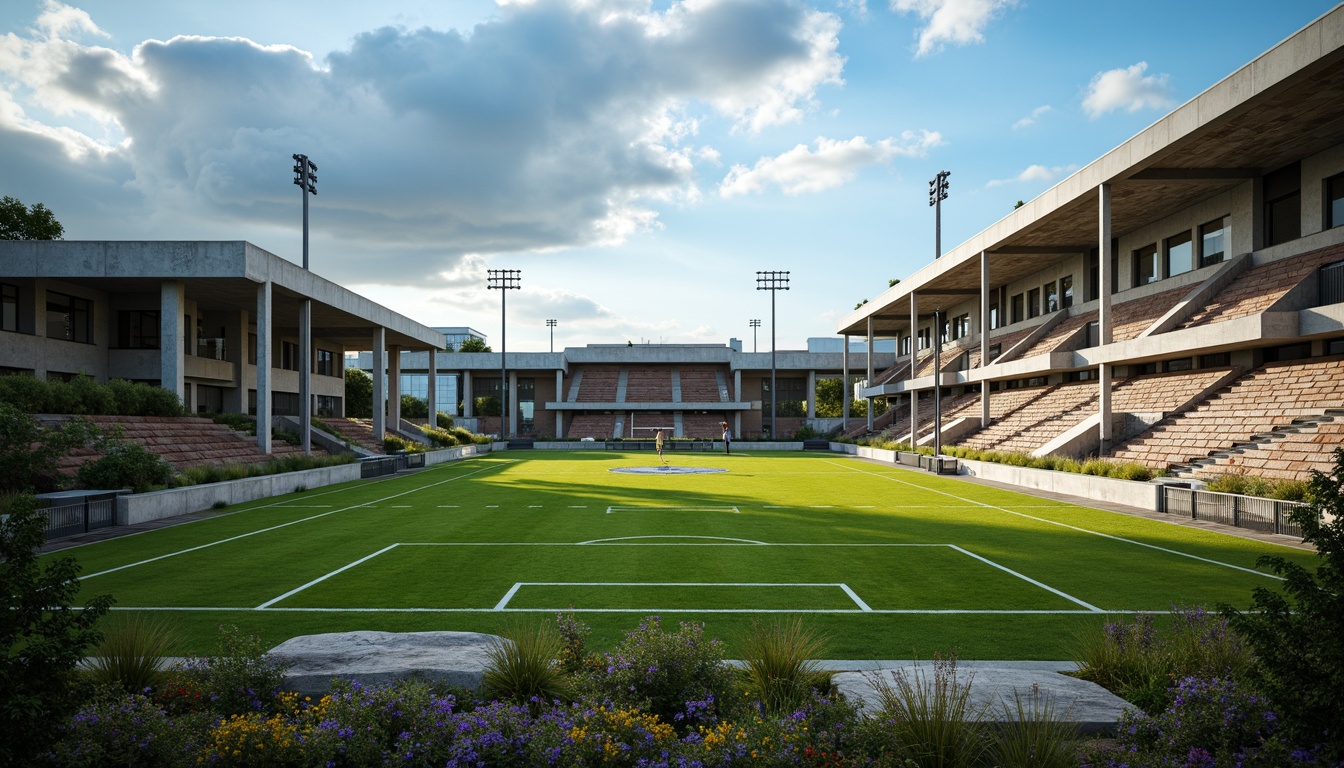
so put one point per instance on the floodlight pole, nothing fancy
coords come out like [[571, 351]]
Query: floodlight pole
[[772, 281], [937, 194], [551, 324], [503, 280], [755, 324], [305, 178]]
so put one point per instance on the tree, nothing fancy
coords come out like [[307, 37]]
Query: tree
[[1296, 630], [413, 407], [893, 281], [28, 223], [830, 403], [474, 344], [42, 638], [861, 303], [29, 452], [358, 394]]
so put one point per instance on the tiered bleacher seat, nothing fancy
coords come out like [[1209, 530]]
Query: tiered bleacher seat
[[647, 385], [1267, 398], [1256, 289], [185, 441], [1046, 413], [599, 426], [357, 431], [898, 427], [1164, 392], [599, 385], [1291, 457]]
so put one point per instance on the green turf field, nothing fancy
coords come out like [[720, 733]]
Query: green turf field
[[892, 563]]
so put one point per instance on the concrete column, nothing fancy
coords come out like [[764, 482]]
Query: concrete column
[[914, 369], [306, 376], [871, 373], [514, 411], [235, 398], [737, 393], [845, 392], [811, 394], [172, 362], [468, 400], [264, 367], [393, 388], [432, 387], [1104, 312], [379, 384], [984, 336], [559, 398]]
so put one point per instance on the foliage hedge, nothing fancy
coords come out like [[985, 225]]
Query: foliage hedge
[[83, 396]]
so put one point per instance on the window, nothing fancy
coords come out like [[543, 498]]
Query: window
[[1017, 309], [945, 331], [1180, 254], [961, 326], [1213, 242], [328, 406], [1051, 296], [1033, 302], [138, 329], [1334, 201], [994, 351], [924, 336], [1217, 360], [1181, 364], [905, 345], [289, 357], [9, 307], [1146, 265], [326, 362], [1066, 291], [68, 317], [994, 318], [285, 403], [1283, 205]]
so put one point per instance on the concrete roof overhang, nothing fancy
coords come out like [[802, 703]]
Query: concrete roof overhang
[[219, 277], [1285, 105]]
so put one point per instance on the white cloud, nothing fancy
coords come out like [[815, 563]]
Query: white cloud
[[951, 21], [833, 163], [1128, 89], [1030, 120], [1035, 173], [558, 123]]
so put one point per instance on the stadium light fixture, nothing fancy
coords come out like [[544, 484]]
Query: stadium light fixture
[[503, 280], [937, 194], [754, 323], [772, 281], [305, 178], [551, 324]]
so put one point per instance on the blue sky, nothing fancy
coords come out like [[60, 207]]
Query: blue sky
[[638, 161]]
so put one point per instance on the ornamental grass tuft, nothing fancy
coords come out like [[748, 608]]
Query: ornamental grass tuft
[[930, 717], [780, 669], [1034, 734], [524, 665], [132, 652]]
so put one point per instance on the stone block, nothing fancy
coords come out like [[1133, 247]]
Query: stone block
[[372, 658]]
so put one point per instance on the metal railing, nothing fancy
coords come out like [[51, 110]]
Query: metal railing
[[87, 512], [1250, 512]]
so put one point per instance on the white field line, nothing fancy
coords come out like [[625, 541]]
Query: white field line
[[1027, 579], [278, 527], [503, 603], [734, 510], [850, 611], [283, 504], [712, 538], [1070, 527], [323, 578]]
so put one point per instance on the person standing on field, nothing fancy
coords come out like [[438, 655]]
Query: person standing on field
[[658, 443], [726, 436]]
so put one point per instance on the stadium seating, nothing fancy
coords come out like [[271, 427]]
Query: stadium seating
[[183, 442]]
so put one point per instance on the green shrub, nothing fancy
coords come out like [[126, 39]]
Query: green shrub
[[779, 669], [125, 465], [1296, 628], [394, 444], [131, 653], [443, 420], [30, 452], [41, 638], [413, 407], [441, 438], [24, 392], [1251, 485], [241, 677], [574, 655], [118, 729], [806, 433], [525, 663], [286, 436], [930, 718], [238, 422]]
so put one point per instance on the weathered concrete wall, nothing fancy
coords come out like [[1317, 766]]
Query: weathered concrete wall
[[141, 507]]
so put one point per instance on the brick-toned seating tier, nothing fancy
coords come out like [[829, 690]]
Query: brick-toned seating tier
[[1256, 289], [1268, 397], [1292, 457], [1043, 414], [1132, 318], [647, 385], [953, 408], [598, 426], [184, 441], [1162, 392], [1056, 336], [700, 385], [357, 431], [598, 385], [1004, 342]]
